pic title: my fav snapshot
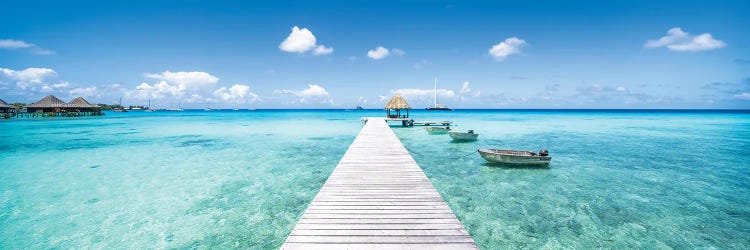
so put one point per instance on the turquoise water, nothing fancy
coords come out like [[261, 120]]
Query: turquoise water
[[242, 179]]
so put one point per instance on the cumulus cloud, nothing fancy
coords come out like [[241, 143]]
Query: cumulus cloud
[[54, 87], [506, 48], [322, 50], [84, 92], [185, 79], [381, 52], [176, 84], [18, 44], [303, 40], [378, 53], [29, 77], [158, 90], [237, 93], [466, 91], [679, 40], [424, 94], [313, 93], [743, 96]]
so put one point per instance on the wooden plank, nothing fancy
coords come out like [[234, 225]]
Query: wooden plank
[[377, 197]]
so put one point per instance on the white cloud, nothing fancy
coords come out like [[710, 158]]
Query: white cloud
[[300, 40], [465, 88], [313, 92], [378, 53], [28, 77], [84, 92], [322, 50], [53, 87], [158, 90], [187, 78], [238, 93], [303, 40], [506, 48], [679, 40], [186, 81], [421, 94], [14, 44], [743, 96], [18, 44], [381, 52], [466, 91]]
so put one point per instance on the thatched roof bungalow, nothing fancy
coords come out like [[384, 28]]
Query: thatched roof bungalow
[[51, 103], [397, 103], [6, 108]]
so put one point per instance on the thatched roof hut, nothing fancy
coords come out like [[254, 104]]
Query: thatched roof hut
[[4, 104], [397, 103], [49, 101], [6, 108], [79, 102]]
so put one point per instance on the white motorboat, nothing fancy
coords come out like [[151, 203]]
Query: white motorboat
[[437, 130], [463, 136], [516, 157]]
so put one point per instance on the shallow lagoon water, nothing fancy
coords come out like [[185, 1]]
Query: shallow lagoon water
[[243, 179]]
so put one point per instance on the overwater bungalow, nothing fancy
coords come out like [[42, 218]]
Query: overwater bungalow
[[393, 110], [7, 110], [53, 106], [395, 105]]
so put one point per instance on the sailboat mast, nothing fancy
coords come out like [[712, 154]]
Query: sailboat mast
[[435, 92]]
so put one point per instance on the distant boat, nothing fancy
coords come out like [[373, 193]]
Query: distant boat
[[437, 130], [438, 106], [149, 109], [235, 108], [174, 109], [120, 108], [208, 107], [516, 157], [463, 136], [359, 108]]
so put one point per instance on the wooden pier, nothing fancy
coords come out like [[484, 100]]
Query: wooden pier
[[378, 198]]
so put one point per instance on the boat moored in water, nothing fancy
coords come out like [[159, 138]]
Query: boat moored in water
[[516, 157], [437, 130], [463, 136]]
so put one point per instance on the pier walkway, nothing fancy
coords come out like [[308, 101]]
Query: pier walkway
[[378, 198]]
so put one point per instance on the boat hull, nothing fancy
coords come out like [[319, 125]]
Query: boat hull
[[515, 159], [463, 137], [437, 130]]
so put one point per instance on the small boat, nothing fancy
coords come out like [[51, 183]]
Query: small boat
[[463, 136], [516, 157], [437, 130]]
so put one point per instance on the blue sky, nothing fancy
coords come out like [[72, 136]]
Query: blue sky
[[493, 54]]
